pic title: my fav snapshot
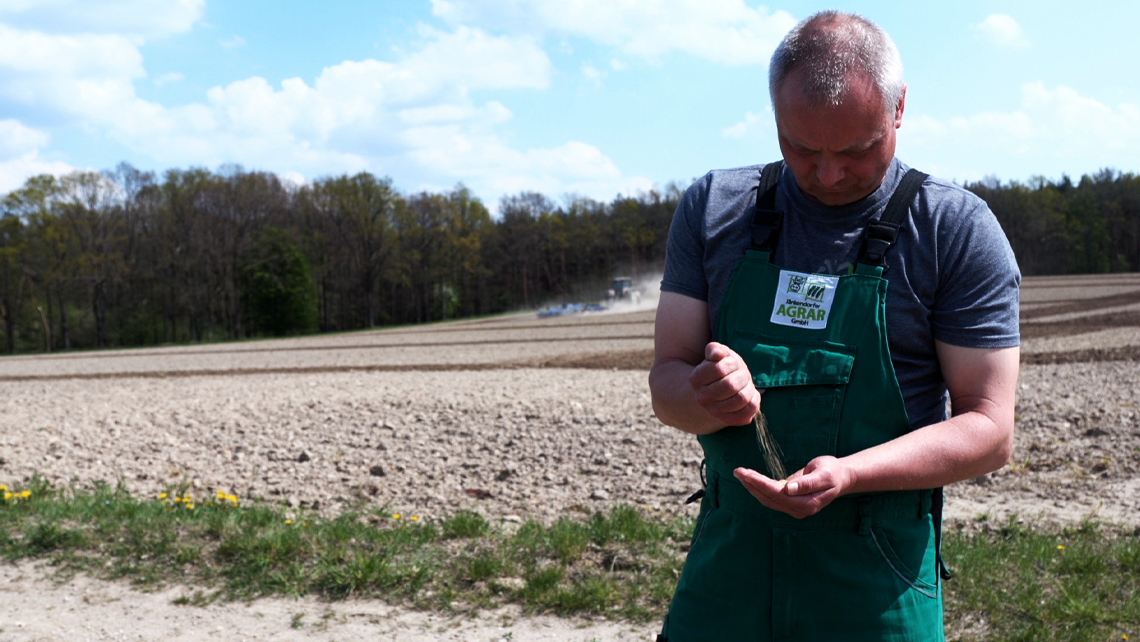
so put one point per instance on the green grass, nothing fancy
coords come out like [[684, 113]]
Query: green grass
[[1011, 583], [620, 563], [1022, 583]]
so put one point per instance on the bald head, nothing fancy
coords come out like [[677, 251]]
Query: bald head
[[829, 49]]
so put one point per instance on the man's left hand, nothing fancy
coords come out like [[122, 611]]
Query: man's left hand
[[805, 492]]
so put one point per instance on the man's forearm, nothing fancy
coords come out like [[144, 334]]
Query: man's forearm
[[674, 401], [697, 385], [966, 446], [963, 447]]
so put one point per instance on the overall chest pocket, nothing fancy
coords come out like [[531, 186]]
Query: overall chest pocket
[[804, 384]]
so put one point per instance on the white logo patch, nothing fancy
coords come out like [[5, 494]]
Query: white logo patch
[[804, 300]]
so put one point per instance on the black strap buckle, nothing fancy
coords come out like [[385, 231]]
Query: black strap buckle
[[765, 226], [700, 494], [880, 235]]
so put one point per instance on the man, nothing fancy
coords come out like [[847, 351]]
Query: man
[[776, 299]]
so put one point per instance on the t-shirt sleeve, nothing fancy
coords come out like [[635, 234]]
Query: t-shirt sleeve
[[977, 303], [684, 254]]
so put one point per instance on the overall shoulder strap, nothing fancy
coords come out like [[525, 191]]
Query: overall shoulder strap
[[765, 219], [880, 235]]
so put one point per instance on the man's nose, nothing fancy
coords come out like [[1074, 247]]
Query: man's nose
[[830, 171]]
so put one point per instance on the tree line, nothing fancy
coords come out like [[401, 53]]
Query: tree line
[[1088, 227], [125, 258]]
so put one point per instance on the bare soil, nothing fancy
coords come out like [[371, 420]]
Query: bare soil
[[35, 607], [514, 417]]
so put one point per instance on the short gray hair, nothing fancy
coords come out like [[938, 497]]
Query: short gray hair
[[829, 46]]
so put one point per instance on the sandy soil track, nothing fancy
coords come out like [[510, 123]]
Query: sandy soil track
[[518, 417]]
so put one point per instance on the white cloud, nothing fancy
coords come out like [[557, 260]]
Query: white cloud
[[169, 77], [473, 58], [725, 31], [63, 77], [67, 55], [753, 125], [295, 178], [361, 107], [14, 172], [484, 160], [233, 42], [19, 155], [491, 113], [1001, 29], [1053, 130], [592, 74], [128, 18], [1082, 124], [17, 139], [415, 118]]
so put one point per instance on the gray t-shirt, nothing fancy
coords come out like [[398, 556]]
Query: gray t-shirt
[[952, 275]]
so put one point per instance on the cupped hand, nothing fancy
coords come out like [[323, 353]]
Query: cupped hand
[[723, 386], [805, 492]]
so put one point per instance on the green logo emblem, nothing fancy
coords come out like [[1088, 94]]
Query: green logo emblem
[[804, 300]]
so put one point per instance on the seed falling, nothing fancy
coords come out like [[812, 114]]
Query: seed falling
[[769, 447]]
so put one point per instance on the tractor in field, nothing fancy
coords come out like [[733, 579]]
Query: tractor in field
[[622, 289]]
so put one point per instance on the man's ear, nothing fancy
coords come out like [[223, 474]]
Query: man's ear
[[900, 108]]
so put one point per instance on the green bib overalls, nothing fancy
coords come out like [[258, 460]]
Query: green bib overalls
[[863, 568]]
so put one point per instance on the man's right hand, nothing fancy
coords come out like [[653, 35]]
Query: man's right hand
[[722, 385]]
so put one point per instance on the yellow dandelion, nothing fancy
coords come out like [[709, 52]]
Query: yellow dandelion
[[25, 494], [7, 495], [3, 487], [395, 516], [162, 495], [415, 518], [288, 521], [190, 506], [1060, 547]]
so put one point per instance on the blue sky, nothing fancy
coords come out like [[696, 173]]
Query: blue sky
[[590, 97]]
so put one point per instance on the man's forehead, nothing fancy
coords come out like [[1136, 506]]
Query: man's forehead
[[853, 141]]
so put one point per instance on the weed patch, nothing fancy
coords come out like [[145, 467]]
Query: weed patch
[[1023, 583], [1012, 582]]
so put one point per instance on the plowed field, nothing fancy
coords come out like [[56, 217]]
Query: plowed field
[[519, 416]]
